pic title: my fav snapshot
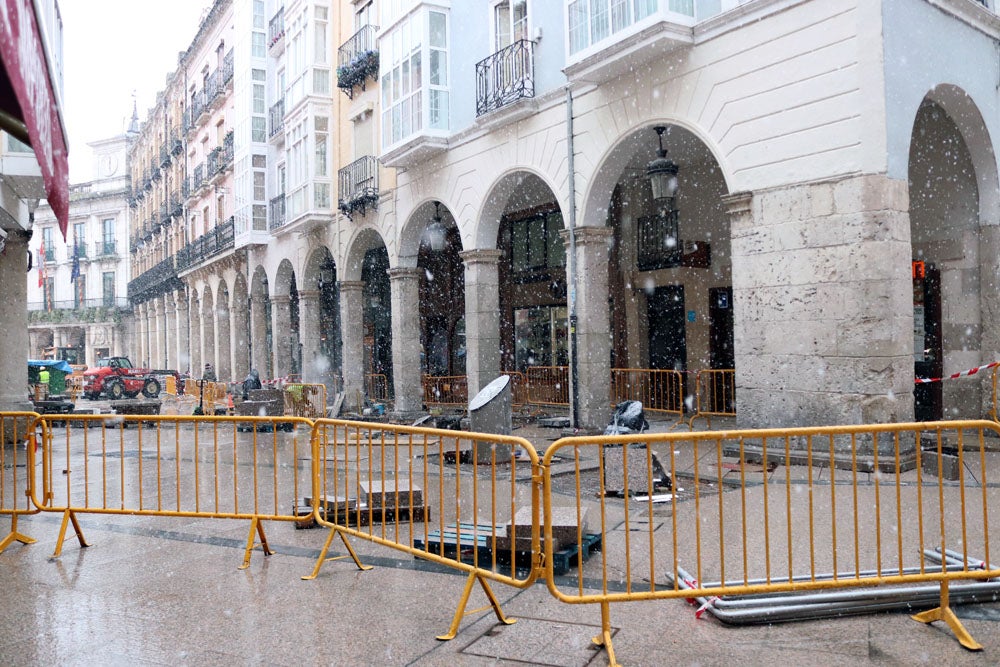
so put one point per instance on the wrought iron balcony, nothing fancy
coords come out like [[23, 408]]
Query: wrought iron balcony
[[228, 149], [213, 164], [358, 186], [164, 214], [277, 213], [177, 203], [165, 156], [358, 60], [214, 88], [105, 248], [277, 118], [160, 279], [505, 77], [227, 68], [197, 178], [207, 246], [176, 146]]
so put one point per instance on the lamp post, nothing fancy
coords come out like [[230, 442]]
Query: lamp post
[[662, 173], [436, 233]]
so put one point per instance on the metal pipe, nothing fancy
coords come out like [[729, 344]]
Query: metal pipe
[[571, 264]]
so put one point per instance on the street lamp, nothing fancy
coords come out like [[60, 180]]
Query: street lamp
[[436, 232], [662, 173]]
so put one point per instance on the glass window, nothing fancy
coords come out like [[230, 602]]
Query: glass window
[[599, 16], [321, 81], [108, 288], [578, 29], [258, 14], [259, 191], [258, 98], [258, 45], [259, 129]]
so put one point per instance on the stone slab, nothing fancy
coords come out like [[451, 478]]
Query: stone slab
[[380, 494]]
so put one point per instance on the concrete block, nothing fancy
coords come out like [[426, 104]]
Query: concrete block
[[392, 493], [949, 463]]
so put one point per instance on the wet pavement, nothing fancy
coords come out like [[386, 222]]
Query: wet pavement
[[168, 591]]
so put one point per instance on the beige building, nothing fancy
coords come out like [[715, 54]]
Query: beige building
[[831, 237]]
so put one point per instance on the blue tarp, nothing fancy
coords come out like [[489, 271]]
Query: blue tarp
[[58, 365]]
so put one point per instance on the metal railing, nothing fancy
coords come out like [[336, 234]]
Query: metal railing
[[276, 118], [276, 27], [105, 248], [20, 434], [377, 387], [659, 390], [358, 186], [358, 59], [215, 242], [715, 394], [445, 390], [505, 77], [276, 217], [160, 279], [71, 305], [737, 527], [548, 385]]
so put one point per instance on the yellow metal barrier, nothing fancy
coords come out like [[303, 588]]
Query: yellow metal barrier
[[377, 387], [548, 385], [659, 390], [853, 506], [445, 390], [459, 499], [518, 389], [715, 392], [305, 400], [251, 468], [18, 440]]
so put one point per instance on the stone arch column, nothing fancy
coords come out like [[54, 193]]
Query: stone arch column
[[309, 335], [353, 341], [238, 318], [258, 330], [141, 334], [405, 287], [224, 370], [593, 331], [194, 325], [170, 328], [159, 360], [281, 315], [482, 317], [183, 331], [13, 323]]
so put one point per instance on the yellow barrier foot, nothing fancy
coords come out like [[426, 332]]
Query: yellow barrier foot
[[604, 639], [256, 525], [460, 612], [945, 613], [15, 536], [68, 517], [326, 547]]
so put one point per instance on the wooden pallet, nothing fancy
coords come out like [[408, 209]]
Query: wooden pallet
[[480, 546], [363, 517]]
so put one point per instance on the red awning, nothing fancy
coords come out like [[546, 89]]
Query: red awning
[[34, 101]]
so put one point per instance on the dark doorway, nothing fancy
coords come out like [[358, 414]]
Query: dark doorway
[[929, 363], [720, 328], [665, 317]]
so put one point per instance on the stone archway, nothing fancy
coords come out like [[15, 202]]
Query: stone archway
[[285, 319], [953, 199], [365, 298], [261, 333]]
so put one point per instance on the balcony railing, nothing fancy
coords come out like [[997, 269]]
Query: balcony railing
[[105, 248], [164, 214], [505, 77], [227, 68], [214, 162], [160, 279], [277, 213], [358, 186], [276, 28], [98, 309], [277, 118], [208, 245], [228, 149], [197, 178], [358, 60], [176, 203], [213, 88]]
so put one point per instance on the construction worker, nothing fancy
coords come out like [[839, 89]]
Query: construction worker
[[43, 383]]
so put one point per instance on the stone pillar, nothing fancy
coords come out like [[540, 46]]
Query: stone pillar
[[224, 354], [314, 368], [14, 324], [989, 304], [238, 328], [170, 327], [208, 348], [183, 356], [593, 330], [259, 350], [353, 341], [194, 326], [160, 360], [482, 317], [281, 316], [823, 306], [406, 368], [141, 334]]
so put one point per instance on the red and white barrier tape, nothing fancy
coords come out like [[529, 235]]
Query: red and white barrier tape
[[971, 371]]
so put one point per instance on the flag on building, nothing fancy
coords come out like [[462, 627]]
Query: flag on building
[[41, 264], [75, 273]]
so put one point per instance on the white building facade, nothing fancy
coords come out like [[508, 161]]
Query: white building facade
[[77, 303]]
